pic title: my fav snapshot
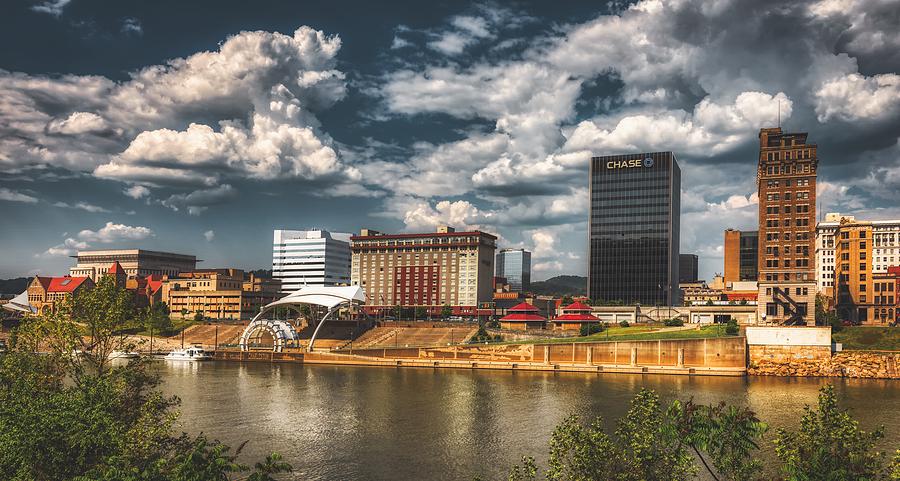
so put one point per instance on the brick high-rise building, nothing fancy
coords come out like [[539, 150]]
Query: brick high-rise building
[[424, 270], [786, 180]]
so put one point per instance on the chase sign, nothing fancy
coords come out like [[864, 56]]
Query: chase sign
[[647, 162]]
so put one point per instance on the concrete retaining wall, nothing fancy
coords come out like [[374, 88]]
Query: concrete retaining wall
[[715, 356]]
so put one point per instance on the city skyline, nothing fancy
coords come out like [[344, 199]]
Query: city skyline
[[128, 128]]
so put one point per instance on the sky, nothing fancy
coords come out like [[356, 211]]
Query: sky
[[199, 127]]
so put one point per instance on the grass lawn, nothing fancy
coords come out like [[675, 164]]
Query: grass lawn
[[636, 333], [869, 338]]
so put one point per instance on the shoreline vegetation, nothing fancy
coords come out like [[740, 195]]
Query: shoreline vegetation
[[79, 417]]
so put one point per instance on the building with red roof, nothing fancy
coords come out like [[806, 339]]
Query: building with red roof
[[47, 293], [523, 317], [573, 316]]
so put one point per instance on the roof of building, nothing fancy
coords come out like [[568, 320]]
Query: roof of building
[[521, 316], [577, 306], [430, 234], [116, 268], [523, 307], [65, 283]]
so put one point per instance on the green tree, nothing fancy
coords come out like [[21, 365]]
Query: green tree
[[77, 418], [829, 445], [156, 317], [198, 316], [446, 311], [421, 313]]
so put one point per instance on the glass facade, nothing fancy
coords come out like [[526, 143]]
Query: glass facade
[[515, 266], [634, 228], [749, 255], [688, 268]]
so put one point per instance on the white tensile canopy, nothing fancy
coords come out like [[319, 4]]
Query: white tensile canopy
[[330, 297], [20, 304], [325, 296]]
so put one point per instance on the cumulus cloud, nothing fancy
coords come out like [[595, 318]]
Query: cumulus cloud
[[856, 97], [249, 109], [16, 196], [78, 123], [109, 233], [67, 248], [112, 232], [137, 191]]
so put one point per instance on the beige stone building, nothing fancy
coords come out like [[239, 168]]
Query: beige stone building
[[218, 294], [429, 270], [135, 262]]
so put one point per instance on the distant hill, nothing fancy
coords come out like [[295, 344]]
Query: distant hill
[[561, 286], [14, 286]]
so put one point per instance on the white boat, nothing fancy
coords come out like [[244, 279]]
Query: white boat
[[189, 354], [123, 355]]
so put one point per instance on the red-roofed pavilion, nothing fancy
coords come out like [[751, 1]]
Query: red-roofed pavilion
[[574, 315], [523, 317]]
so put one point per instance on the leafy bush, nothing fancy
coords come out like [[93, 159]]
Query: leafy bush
[[674, 322], [653, 442], [71, 418], [624, 324], [588, 329], [731, 327]]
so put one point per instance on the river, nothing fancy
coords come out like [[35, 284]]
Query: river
[[370, 423]]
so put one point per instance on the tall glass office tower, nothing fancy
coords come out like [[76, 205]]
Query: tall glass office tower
[[515, 266], [634, 227]]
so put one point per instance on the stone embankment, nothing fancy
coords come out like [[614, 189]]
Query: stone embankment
[[850, 364]]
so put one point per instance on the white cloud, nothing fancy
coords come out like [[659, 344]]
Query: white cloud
[[82, 206], [78, 123], [209, 235], [67, 248], [132, 26], [856, 97], [53, 7], [16, 196], [137, 191], [249, 107], [112, 232], [711, 128]]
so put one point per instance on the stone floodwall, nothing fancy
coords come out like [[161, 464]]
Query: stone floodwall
[[851, 364], [712, 353]]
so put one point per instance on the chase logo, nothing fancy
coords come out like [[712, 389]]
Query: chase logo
[[629, 164]]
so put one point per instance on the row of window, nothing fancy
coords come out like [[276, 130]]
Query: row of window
[[802, 195]]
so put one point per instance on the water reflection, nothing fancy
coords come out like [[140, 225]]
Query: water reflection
[[396, 424]]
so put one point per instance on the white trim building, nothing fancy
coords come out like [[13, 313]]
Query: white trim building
[[310, 258]]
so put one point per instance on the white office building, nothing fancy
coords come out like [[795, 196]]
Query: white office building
[[310, 258]]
